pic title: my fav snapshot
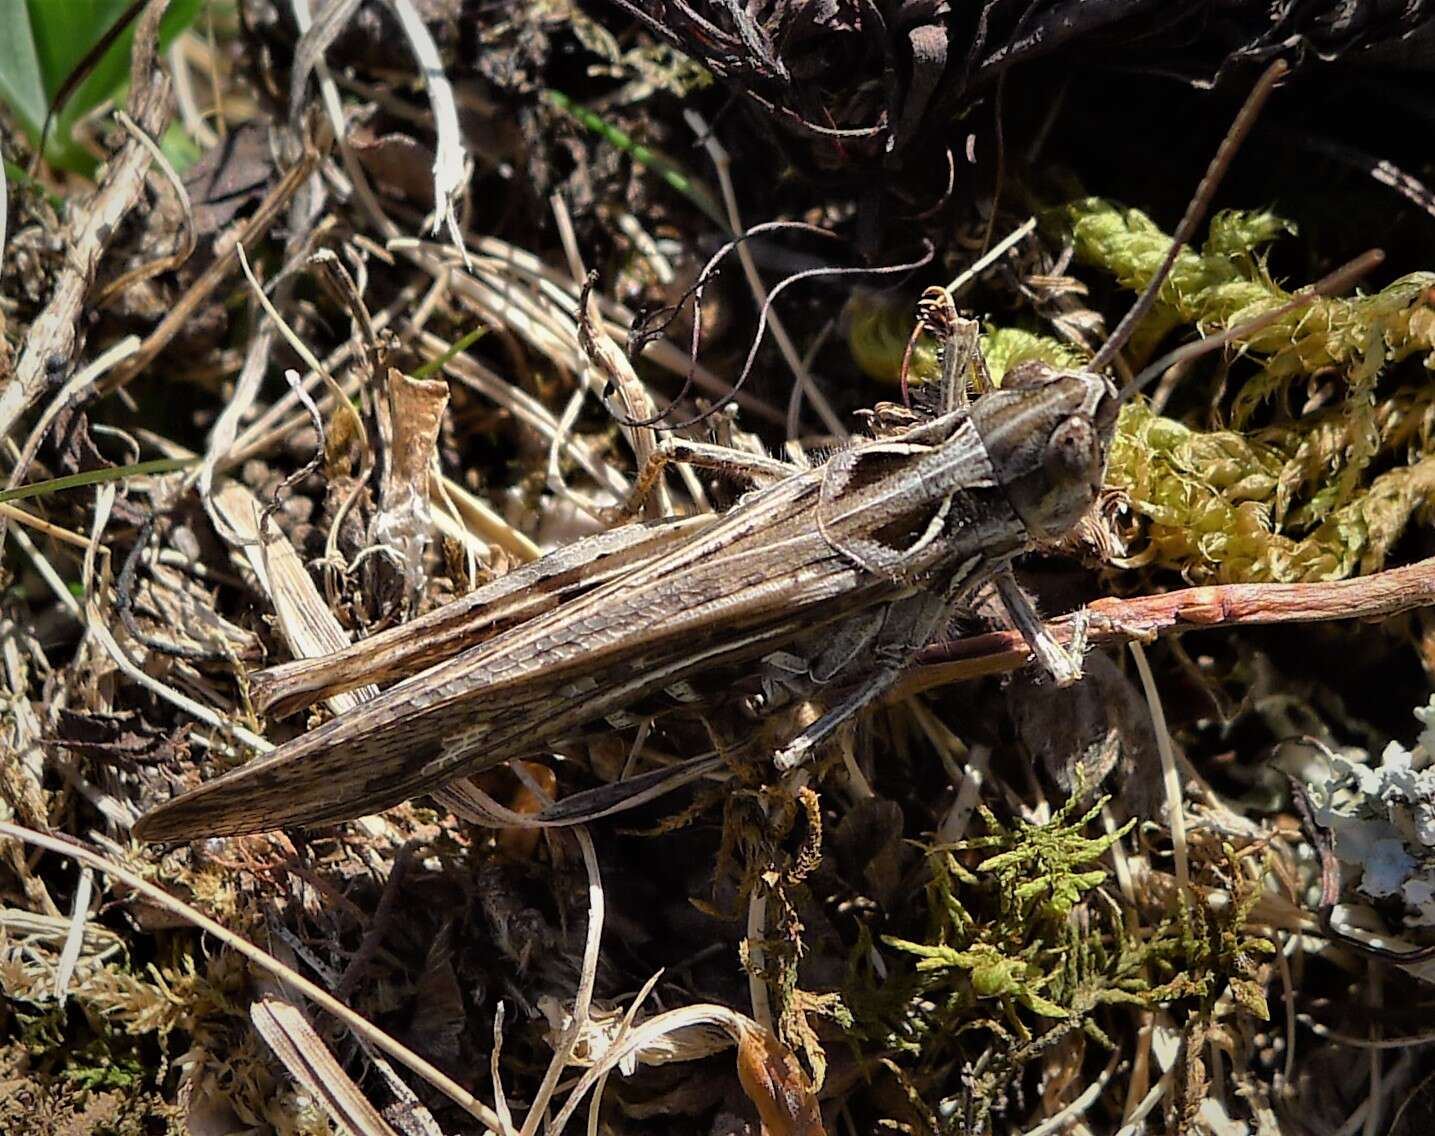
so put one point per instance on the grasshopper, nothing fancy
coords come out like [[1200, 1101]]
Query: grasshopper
[[821, 582]]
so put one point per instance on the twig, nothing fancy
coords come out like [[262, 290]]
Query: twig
[[39, 524], [222, 265], [125, 604], [1190, 609], [610, 370], [53, 335], [991, 256]]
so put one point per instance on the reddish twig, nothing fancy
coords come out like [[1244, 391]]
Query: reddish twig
[[1145, 617]]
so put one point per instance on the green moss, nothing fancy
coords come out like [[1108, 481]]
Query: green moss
[[1024, 945], [1001, 951], [1285, 504], [878, 328]]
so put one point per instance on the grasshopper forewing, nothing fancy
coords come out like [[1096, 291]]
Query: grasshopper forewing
[[783, 565], [520, 595], [847, 568]]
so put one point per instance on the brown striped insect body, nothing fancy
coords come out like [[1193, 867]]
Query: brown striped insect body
[[821, 583]]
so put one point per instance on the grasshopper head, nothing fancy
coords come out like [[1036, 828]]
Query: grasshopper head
[[1046, 437]]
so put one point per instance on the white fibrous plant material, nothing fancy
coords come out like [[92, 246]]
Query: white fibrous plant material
[[1382, 816]]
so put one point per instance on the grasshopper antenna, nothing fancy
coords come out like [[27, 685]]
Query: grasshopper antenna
[[1336, 282], [1195, 211]]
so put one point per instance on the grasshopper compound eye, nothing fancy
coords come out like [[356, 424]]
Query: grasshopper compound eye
[[1073, 452]]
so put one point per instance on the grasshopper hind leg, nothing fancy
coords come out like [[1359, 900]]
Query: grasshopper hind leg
[[881, 646], [800, 748], [790, 675]]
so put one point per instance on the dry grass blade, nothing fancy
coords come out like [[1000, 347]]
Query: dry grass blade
[[75, 936], [294, 1041], [476, 518], [583, 999], [450, 165], [305, 620], [1170, 777], [4, 214], [263, 960], [506, 288]]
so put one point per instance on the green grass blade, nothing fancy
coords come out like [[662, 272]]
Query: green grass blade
[[58, 50], [462, 344], [112, 70], [22, 83], [95, 477], [665, 168]]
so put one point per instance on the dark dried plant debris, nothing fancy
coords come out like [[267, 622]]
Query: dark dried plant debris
[[995, 906]]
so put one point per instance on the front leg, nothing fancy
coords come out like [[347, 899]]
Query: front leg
[[1062, 663], [752, 467]]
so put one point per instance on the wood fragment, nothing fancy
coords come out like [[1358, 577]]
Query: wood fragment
[[53, 339]]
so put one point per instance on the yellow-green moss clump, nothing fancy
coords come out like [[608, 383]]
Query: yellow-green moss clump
[[1226, 283], [878, 329], [1318, 496], [1226, 507]]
